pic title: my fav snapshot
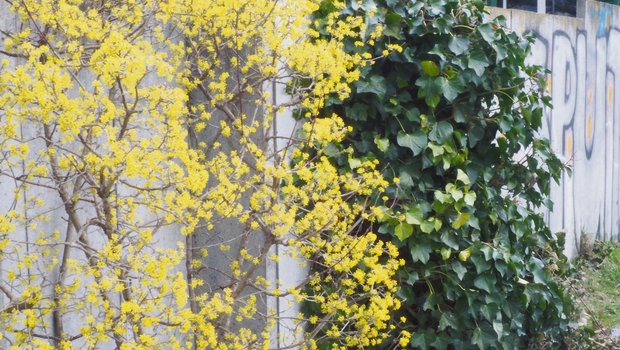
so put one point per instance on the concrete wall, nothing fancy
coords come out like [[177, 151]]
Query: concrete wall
[[583, 55]]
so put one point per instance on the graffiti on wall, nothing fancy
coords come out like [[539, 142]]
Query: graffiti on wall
[[583, 55]]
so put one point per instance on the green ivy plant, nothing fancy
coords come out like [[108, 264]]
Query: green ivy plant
[[453, 119]]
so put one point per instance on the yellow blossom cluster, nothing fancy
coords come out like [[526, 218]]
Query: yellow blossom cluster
[[146, 198]]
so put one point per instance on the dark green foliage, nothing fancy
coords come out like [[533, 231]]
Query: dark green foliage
[[454, 117]]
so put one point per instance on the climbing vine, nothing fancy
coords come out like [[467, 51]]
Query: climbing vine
[[451, 114]]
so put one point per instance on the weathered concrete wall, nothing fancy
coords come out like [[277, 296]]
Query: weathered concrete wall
[[583, 55]]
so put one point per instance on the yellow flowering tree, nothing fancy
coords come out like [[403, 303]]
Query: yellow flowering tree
[[145, 190]]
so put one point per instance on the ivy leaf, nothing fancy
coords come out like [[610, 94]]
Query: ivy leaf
[[405, 179], [441, 132], [487, 32], [412, 114], [476, 338], [432, 100], [354, 163], [392, 25], [451, 72], [448, 320], [485, 282], [480, 264], [501, 52], [483, 339], [539, 275], [478, 62], [461, 220], [382, 144], [442, 197], [403, 231], [451, 88], [470, 198], [459, 269], [488, 311], [436, 149], [368, 5], [437, 224], [421, 252], [498, 327], [416, 141], [358, 111], [427, 226], [462, 176], [432, 301], [456, 194], [442, 341], [446, 253], [430, 68], [331, 150], [414, 216], [450, 239], [437, 7], [430, 89], [458, 45], [376, 85], [422, 339]]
